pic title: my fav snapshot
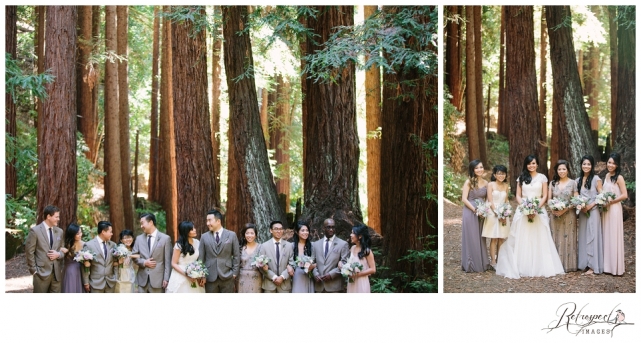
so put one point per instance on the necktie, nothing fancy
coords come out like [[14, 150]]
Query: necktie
[[277, 254], [217, 238], [326, 246], [104, 249], [149, 242], [50, 239]]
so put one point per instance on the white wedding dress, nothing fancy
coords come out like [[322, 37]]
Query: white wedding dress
[[178, 283], [529, 249]]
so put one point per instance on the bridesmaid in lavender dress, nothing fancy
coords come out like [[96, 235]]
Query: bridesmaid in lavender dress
[[590, 232], [72, 277], [613, 256], [249, 279], [301, 282], [473, 248], [361, 252]]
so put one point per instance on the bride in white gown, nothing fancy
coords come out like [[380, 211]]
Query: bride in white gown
[[185, 252], [529, 249]]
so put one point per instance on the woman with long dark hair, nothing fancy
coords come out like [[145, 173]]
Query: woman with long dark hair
[[301, 281], [249, 279], [563, 222], [72, 276], [473, 247], [185, 252], [494, 228], [529, 249], [590, 231], [612, 220], [127, 278], [361, 252]]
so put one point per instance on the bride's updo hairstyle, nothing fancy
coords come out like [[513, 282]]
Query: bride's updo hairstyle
[[588, 180], [183, 238], [499, 168], [556, 178], [525, 176], [362, 231], [470, 171]]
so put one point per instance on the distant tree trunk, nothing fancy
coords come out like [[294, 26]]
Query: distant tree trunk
[[264, 113], [250, 152], [303, 88], [281, 138], [471, 118], [579, 55], [614, 62], [152, 186], [405, 213], [503, 122], [543, 63], [217, 45], [57, 157], [123, 109], [39, 41], [86, 81], [136, 180], [590, 81], [520, 88], [478, 70], [270, 116], [112, 127], [167, 146], [453, 64], [575, 139], [626, 93], [373, 122], [194, 153], [11, 44], [238, 210], [96, 24], [331, 189]]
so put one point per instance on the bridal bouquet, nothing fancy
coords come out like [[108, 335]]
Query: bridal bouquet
[[529, 207], [349, 269], [120, 251], [304, 262], [504, 211], [260, 261], [482, 210], [85, 257], [196, 270], [603, 199], [580, 202]]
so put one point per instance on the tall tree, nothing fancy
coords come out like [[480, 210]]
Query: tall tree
[[373, 122], [113, 178], [39, 43], [217, 45], [280, 138], [543, 63], [520, 87], [96, 25], [592, 67], [503, 122], [478, 71], [122, 23], [258, 191], [453, 64], [471, 118], [11, 44], [331, 151], [614, 62], [57, 138], [574, 138], [194, 154], [152, 188], [86, 81]]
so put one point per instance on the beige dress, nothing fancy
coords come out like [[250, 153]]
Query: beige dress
[[492, 227], [361, 283], [612, 223], [249, 279], [564, 227]]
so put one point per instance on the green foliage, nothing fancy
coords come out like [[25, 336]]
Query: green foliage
[[156, 209], [22, 86], [88, 233], [498, 150], [631, 185], [87, 176], [452, 184]]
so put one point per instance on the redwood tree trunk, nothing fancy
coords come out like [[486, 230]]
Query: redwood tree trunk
[[471, 118], [478, 70], [614, 62], [57, 183], [152, 186], [331, 171], [543, 63], [217, 45], [86, 81], [194, 154], [257, 190], [39, 41], [503, 122], [281, 139], [96, 24], [11, 44], [520, 88], [575, 139], [453, 64]]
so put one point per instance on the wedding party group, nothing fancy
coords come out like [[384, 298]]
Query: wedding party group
[[583, 233], [219, 262]]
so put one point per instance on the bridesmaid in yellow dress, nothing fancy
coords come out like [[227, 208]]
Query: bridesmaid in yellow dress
[[612, 219], [127, 277], [361, 252], [249, 279], [494, 228]]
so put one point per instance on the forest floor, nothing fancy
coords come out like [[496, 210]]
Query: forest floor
[[456, 280], [18, 279]]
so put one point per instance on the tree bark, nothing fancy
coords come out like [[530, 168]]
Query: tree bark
[[373, 122], [257, 190], [39, 43], [471, 118], [590, 81], [217, 45], [574, 139], [543, 63], [265, 96], [11, 44], [96, 24], [331, 171], [57, 182], [281, 138], [86, 81], [453, 64], [194, 153], [520, 88], [614, 62], [152, 187], [478, 70], [503, 122]]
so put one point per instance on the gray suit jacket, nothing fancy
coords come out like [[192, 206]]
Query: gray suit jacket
[[222, 259], [161, 252], [102, 271], [338, 251], [37, 247], [286, 257]]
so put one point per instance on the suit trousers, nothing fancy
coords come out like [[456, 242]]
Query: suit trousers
[[107, 289], [220, 286], [46, 285], [148, 289], [277, 290]]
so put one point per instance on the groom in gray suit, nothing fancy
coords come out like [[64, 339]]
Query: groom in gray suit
[[42, 249], [329, 251], [219, 251], [102, 275], [280, 253], [155, 251]]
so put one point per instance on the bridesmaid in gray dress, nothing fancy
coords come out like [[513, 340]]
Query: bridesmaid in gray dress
[[249, 279], [474, 256], [72, 277], [590, 233], [301, 282], [563, 223]]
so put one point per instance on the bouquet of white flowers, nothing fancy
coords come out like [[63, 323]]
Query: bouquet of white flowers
[[260, 261], [196, 270], [120, 252], [504, 211], [349, 270], [304, 262], [529, 207], [580, 202], [482, 209], [603, 199], [85, 256]]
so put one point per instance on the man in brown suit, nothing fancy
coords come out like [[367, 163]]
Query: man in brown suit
[[103, 275], [44, 257]]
